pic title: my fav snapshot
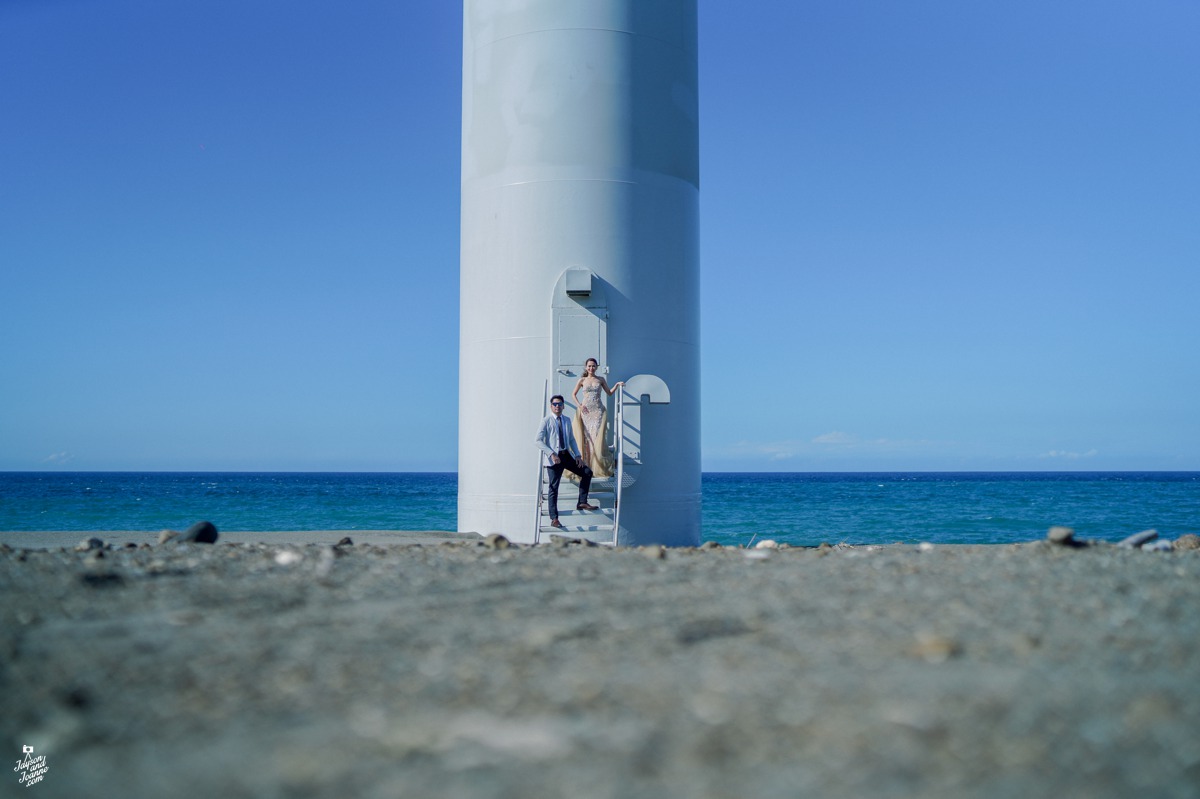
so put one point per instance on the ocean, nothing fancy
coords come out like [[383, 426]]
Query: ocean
[[795, 508]]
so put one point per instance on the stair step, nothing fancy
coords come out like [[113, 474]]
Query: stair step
[[596, 542], [577, 529], [602, 536]]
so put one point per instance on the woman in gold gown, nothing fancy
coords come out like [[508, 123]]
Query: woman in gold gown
[[591, 423]]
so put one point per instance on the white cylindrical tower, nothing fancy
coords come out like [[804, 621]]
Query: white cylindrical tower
[[580, 155]]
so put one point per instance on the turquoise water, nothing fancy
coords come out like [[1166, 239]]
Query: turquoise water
[[951, 508], [802, 509]]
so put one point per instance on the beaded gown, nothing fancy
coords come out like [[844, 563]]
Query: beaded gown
[[591, 428]]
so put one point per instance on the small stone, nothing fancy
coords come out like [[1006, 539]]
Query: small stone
[[924, 546], [654, 552], [767, 544], [710, 545], [102, 579], [287, 557], [1139, 539], [1063, 536], [88, 544], [1161, 545], [824, 545], [1188, 541], [167, 535], [1024, 644], [130, 545], [345, 542], [201, 533], [496, 541], [935, 648]]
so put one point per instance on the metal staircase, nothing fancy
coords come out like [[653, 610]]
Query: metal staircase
[[599, 526]]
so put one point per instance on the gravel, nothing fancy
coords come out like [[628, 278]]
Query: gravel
[[481, 668]]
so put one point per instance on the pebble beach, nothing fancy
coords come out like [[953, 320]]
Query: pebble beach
[[383, 664]]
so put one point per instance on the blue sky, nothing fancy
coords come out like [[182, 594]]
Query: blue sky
[[935, 235]]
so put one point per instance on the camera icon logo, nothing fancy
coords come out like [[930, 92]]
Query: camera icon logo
[[27, 750]]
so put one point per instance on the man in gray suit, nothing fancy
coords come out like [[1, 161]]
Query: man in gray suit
[[556, 440]]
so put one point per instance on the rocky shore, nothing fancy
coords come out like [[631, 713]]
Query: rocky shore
[[435, 665]]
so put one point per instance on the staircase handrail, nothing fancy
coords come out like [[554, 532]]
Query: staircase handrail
[[541, 472], [619, 440]]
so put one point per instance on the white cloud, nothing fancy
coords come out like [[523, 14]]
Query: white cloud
[[58, 458], [771, 450], [836, 443], [1069, 456], [835, 437]]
